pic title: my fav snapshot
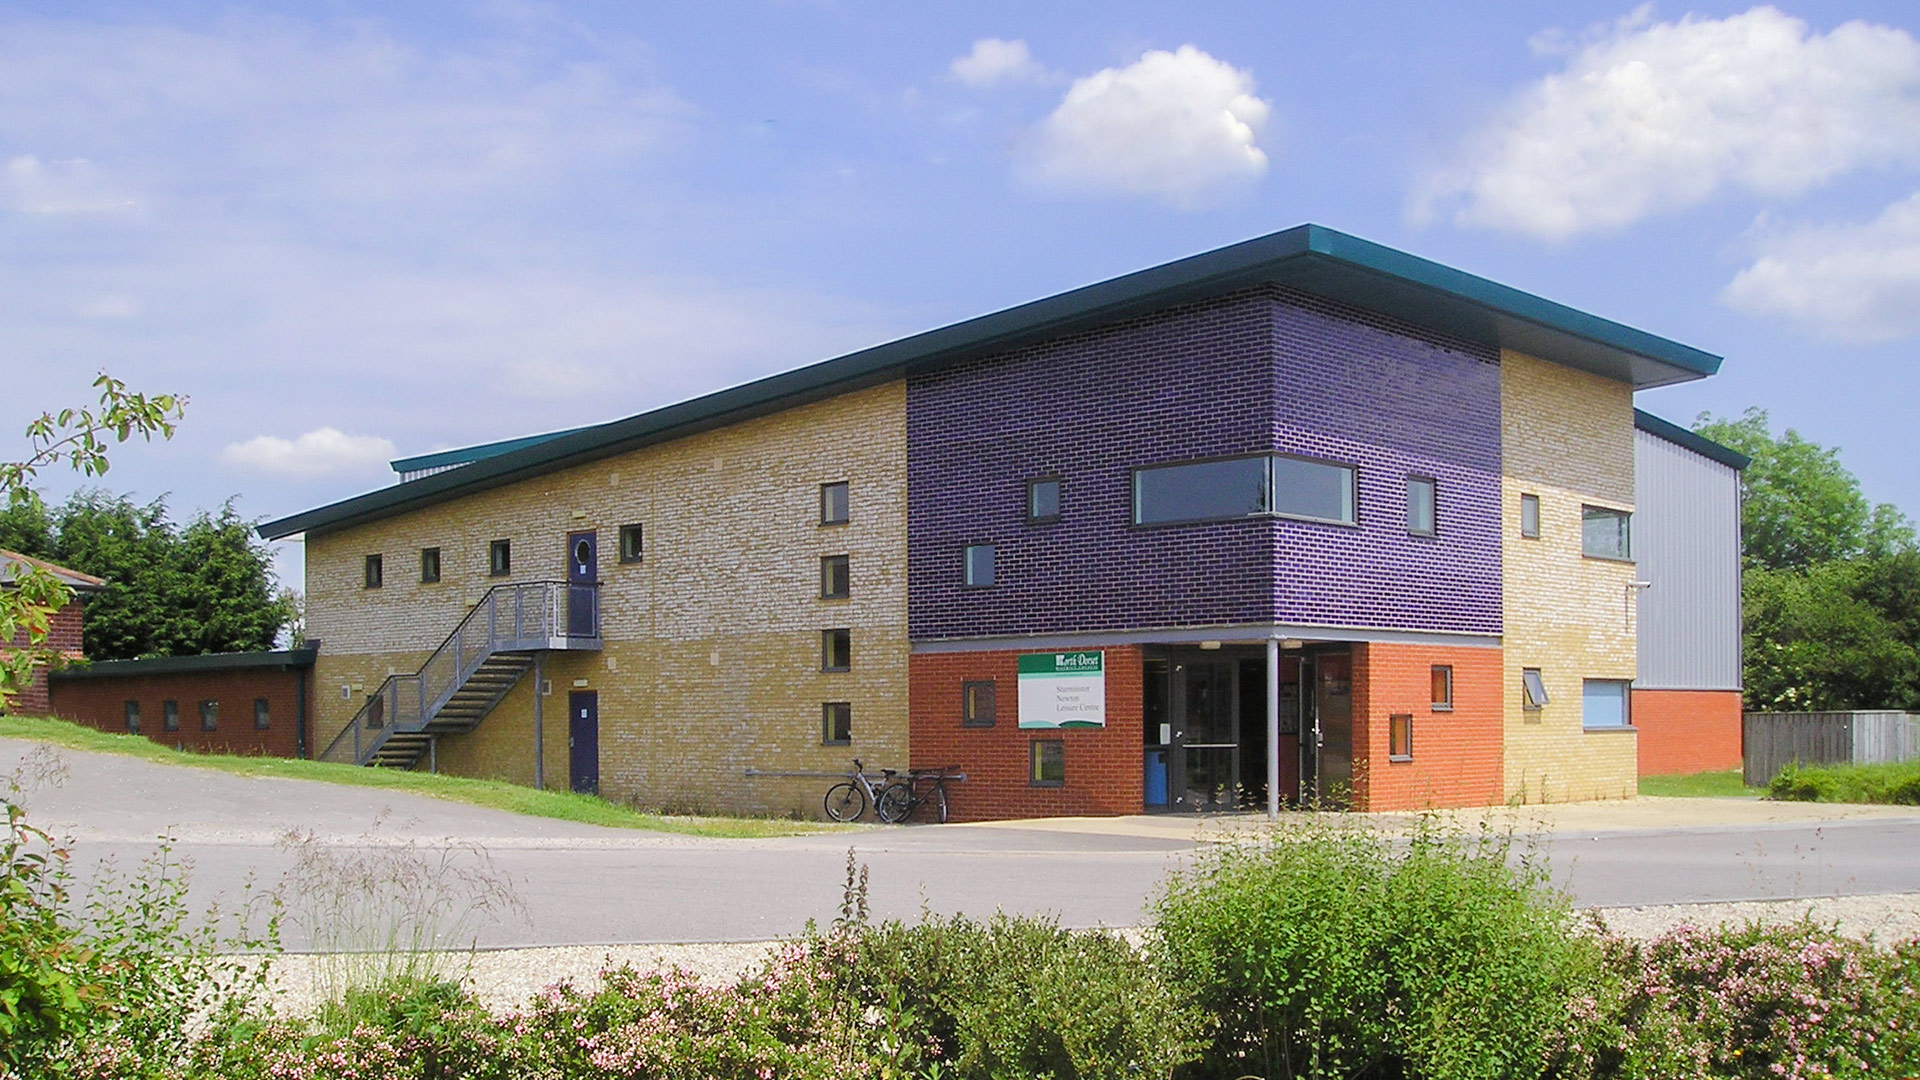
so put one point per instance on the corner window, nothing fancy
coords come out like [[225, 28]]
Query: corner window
[[1442, 678], [1605, 703], [1043, 500], [500, 558], [1243, 487], [262, 714], [209, 715], [836, 723], [1420, 499], [1530, 516], [372, 574], [429, 565], [836, 650], [170, 716], [836, 577], [977, 703], [133, 717], [633, 543], [1047, 762], [833, 504], [977, 570], [1400, 737], [1606, 534], [1534, 688]]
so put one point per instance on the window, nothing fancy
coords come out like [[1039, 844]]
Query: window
[[1534, 686], [500, 558], [170, 715], [262, 714], [836, 577], [1420, 497], [1243, 487], [1605, 703], [633, 543], [429, 565], [978, 568], [1047, 762], [1442, 687], [133, 718], [372, 572], [1400, 737], [836, 723], [209, 715], [1043, 499], [833, 503], [1606, 534], [836, 650], [977, 703], [1530, 516]]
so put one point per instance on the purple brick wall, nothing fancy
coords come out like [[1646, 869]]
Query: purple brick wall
[[1255, 371]]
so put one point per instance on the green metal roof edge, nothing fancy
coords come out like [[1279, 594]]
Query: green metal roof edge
[[468, 454], [1218, 270], [185, 665], [1699, 444]]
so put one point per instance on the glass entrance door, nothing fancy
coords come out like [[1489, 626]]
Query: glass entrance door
[[1333, 716], [1205, 758]]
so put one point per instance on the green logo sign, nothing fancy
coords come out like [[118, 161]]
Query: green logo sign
[[1063, 689]]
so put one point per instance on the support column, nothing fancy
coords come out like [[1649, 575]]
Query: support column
[[1273, 728], [539, 723]]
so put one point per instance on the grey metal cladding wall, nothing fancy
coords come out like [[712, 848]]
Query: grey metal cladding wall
[[1686, 539]]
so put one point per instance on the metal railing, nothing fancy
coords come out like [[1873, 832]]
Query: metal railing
[[509, 618]]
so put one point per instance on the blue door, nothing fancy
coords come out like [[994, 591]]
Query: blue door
[[583, 740], [583, 575]]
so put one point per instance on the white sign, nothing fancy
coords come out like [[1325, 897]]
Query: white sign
[[1063, 690]]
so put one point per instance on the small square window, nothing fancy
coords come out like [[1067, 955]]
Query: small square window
[[1530, 516], [209, 716], [1442, 679], [836, 577], [836, 650], [1535, 688], [429, 565], [372, 571], [1420, 505], [500, 558], [170, 716], [1400, 737], [262, 714], [133, 717], [1047, 762], [978, 568], [633, 543], [833, 504], [977, 703], [1605, 533], [836, 723], [1043, 499], [1605, 703]]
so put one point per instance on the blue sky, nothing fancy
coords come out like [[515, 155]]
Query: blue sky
[[351, 231]]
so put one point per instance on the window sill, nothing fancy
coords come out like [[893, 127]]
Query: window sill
[[1609, 728], [1399, 757], [976, 724], [841, 742], [1047, 783], [834, 524], [1436, 707], [841, 597], [1625, 560], [835, 670]]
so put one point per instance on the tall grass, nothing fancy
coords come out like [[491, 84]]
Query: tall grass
[[1895, 784]]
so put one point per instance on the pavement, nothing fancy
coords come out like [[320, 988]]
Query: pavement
[[575, 884]]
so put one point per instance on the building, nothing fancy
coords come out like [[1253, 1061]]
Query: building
[[63, 639], [1300, 519], [223, 703]]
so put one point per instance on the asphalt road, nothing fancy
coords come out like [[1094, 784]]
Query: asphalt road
[[573, 884]]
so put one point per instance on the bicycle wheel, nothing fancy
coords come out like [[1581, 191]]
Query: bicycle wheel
[[846, 802], [940, 802], [894, 803]]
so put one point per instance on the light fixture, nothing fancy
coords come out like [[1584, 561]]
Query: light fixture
[[1292, 643], [1209, 644]]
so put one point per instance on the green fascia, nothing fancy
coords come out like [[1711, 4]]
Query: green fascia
[[283, 659], [467, 455]]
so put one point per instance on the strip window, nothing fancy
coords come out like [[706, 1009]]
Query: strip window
[[1276, 484]]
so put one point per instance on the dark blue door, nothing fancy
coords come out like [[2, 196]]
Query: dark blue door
[[583, 577], [583, 740]]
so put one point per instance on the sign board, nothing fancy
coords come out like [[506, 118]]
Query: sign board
[[1063, 690]]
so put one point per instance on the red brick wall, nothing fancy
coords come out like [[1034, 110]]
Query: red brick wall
[[1103, 765], [63, 636], [1457, 755], [1687, 731], [101, 703]]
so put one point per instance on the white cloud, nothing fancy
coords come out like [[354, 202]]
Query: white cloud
[[1649, 117], [319, 452], [1851, 282], [31, 186], [995, 61], [1178, 126]]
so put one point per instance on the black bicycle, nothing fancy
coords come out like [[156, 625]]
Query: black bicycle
[[848, 799], [922, 787]]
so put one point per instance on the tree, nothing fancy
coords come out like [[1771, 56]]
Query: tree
[[79, 438]]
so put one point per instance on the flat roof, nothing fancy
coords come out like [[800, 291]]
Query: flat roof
[[189, 665], [1310, 258], [1699, 444]]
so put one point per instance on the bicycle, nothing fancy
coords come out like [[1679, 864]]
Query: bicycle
[[848, 799], [901, 798]]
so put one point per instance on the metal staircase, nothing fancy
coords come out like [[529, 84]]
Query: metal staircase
[[468, 675]]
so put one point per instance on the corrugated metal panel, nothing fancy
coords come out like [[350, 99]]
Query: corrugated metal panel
[[1686, 539]]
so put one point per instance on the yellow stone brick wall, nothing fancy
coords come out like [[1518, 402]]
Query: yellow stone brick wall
[[1567, 437], [711, 662]]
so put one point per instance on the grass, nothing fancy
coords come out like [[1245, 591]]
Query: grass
[[494, 794], [1705, 785], [1896, 784]]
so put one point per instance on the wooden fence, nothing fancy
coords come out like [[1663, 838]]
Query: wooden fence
[[1772, 740]]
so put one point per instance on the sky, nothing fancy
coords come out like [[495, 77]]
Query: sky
[[355, 231]]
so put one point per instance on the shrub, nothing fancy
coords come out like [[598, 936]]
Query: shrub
[[1325, 950], [1897, 783]]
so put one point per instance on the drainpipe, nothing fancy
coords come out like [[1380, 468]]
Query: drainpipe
[[539, 724], [300, 713], [1273, 729]]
